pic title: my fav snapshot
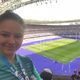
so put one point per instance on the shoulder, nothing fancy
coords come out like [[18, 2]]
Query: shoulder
[[26, 62], [25, 58]]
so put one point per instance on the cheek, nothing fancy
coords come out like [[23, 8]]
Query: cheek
[[2, 41], [18, 43]]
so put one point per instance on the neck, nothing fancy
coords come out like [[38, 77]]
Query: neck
[[11, 58]]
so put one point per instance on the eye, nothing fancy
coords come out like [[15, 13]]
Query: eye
[[5, 34], [18, 35]]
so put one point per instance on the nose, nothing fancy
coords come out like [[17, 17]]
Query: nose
[[11, 39]]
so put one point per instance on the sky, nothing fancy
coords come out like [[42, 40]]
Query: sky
[[54, 10]]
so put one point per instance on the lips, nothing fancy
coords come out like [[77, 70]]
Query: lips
[[10, 47]]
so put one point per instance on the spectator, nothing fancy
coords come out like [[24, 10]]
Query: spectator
[[46, 74], [78, 77], [74, 75]]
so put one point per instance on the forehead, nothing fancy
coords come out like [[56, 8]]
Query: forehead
[[11, 26]]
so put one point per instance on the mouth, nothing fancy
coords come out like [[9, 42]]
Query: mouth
[[10, 47]]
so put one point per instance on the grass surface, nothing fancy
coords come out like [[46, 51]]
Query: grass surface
[[62, 50]]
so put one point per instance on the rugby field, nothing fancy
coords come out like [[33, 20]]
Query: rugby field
[[61, 50]]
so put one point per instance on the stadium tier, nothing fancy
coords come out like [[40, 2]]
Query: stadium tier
[[65, 31]]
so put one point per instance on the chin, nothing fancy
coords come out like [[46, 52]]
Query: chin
[[9, 52]]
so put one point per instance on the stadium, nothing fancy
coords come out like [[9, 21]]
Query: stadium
[[52, 43]]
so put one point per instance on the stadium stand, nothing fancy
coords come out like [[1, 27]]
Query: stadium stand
[[42, 31], [66, 31]]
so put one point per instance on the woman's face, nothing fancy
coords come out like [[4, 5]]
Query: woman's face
[[11, 36]]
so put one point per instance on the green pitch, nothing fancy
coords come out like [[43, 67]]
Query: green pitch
[[62, 50]]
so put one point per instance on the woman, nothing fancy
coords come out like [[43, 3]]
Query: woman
[[12, 66]]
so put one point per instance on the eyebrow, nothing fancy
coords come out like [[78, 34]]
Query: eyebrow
[[10, 32], [4, 32]]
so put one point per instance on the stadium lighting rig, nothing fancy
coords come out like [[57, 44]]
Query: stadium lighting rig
[[45, 1]]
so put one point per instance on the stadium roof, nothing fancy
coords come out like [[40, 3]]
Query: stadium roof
[[45, 11], [14, 4], [52, 11]]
